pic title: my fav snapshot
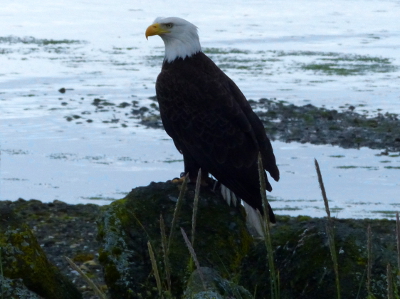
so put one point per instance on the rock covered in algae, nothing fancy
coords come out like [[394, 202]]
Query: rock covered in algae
[[23, 259], [304, 262], [301, 250], [126, 225]]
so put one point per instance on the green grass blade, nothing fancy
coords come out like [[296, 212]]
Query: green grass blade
[[194, 257], [195, 205], [275, 292], [329, 229], [177, 210], [369, 261], [398, 245], [164, 248], [94, 287], [155, 268]]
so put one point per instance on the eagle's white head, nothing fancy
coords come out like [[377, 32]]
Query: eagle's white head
[[180, 37]]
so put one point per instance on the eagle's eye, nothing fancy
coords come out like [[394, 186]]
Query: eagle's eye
[[169, 25]]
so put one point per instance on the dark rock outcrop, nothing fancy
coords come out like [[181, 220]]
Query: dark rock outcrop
[[222, 242], [126, 225], [304, 261]]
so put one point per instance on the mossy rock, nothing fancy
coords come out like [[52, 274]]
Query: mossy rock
[[301, 249], [126, 225], [23, 258], [304, 261]]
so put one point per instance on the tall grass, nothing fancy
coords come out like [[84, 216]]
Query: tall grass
[[265, 224], [369, 262], [166, 242], [329, 229], [164, 245], [398, 245], [177, 211], [195, 204], [1, 273], [194, 257], [155, 268]]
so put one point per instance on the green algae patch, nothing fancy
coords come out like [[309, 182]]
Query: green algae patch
[[125, 226], [348, 64], [23, 259]]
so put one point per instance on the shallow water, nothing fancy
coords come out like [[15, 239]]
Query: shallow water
[[324, 53]]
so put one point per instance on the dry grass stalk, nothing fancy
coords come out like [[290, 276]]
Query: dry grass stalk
[[275, 292], [164, 248], [155, 268], [94, 287], [177, 210], [329, 229], [261, 175], [398, 245], [322, 186], [369, 261], [194, 257], [195, 204], [1, 273]]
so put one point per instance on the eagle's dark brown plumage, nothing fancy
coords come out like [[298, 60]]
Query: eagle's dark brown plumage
[[213, 125]]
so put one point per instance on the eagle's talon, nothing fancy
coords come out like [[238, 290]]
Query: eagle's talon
[[178, 180]]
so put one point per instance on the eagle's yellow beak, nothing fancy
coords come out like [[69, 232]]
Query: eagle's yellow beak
[[155, 29]]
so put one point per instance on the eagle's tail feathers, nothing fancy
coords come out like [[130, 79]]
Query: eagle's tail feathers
[[254, 219], [229, 196]]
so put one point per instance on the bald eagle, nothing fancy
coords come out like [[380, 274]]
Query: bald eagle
[[208, 117]]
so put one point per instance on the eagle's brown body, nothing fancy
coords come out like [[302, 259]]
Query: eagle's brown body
[[214, 127]]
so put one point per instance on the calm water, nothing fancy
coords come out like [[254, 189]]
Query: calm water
[[323, 53]]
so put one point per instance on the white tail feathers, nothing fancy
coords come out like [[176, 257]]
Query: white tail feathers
[[229, 196], [254, 220]]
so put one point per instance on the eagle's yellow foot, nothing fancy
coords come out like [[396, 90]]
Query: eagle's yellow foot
[[178, 180], [193, 180]]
